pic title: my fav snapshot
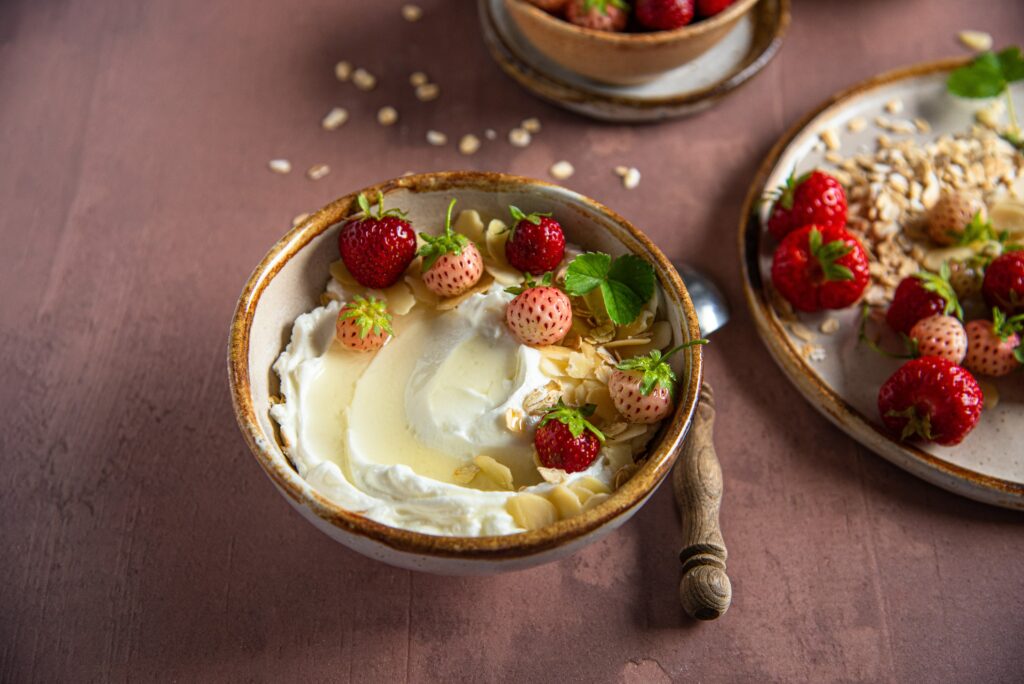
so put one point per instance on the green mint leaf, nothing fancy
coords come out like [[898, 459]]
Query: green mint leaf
[[1011, 63], [982, 78], [621, 302], [586, 272], [634, 273]]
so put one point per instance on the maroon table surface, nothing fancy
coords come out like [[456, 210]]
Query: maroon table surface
[[140, 540]]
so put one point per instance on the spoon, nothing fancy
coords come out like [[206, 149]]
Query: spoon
[[705, 590]]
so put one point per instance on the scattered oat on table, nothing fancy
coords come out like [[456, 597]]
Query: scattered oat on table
[[469, 144], [299, 218], [621, 171], [363, 79], [334, 119], [519, 137], [387, 116], [631, 179], [343, 71], [437, 138], [318, 171], [427, 92], [412, 12], [281, 166], [418, 78], [562, 170], [979, 41], [491, 134], [531, 125]]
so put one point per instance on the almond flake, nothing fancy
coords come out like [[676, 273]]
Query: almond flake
[[519, 137], [318, 171], [412, 12], [979, 41], [363, 79], [437, 138], [343, 71], [562, 170], [281, 166], [334, 119], [428, 92], [387, 116], [469, 144]]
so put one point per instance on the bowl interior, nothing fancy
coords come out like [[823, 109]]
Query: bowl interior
[[291, 279]]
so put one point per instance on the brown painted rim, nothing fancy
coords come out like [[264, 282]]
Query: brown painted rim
[[654, 469], [562, 92], [821, 395], [645, 39]]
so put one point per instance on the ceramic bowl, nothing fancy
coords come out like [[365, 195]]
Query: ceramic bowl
[[621, 58], [289, 282]]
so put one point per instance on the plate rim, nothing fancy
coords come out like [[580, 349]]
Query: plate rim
[[566, 94], [934, 469]]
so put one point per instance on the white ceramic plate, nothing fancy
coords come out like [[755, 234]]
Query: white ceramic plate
[[689, 89], [989, 464]]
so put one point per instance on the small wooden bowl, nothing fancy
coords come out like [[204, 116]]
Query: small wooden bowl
[[621, 58]]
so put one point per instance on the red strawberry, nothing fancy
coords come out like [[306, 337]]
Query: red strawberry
[[930, 399], [364, 324], [537, 244], [664, 15], [1004, 282], [451, 263], [994, 346], [565, 438], [942, 336], [641, 388], [600, 15], [377, 248], [540, 314], [919, 296], [709, 8], [814, 198], [820, 268]]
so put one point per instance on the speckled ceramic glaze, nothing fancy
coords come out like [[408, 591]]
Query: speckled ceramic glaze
[[291, 278], [745, 48], [989, 464]]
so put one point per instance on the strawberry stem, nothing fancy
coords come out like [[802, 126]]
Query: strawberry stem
[[435, 247], [828, 254], [573, 417], [917, 425]]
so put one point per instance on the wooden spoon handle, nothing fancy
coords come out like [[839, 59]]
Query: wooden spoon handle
[[705, 590]]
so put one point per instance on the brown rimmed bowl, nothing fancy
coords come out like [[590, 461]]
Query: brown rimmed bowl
[[289, 281], [621, 58]]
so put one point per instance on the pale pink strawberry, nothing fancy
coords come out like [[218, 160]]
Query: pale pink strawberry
[[942, 336], [452, 274], [641, 388], [540, 314], [451, 262], [363, 324], [993, 347]]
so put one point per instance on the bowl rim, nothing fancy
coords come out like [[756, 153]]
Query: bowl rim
[[646, 39], [657, 465]]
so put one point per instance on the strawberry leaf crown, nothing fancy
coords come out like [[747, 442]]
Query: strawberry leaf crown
[[575, 418], [448, 243], [655, 369], [528, 282], [367, 210], [1005, 327], [602, 5], [518, 216], [784, 193], [827, 254], [940, 285], [918, 424], [978, 230], [369, 314]]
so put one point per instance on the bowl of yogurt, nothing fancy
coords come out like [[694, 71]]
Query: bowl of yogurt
[[424, 451]]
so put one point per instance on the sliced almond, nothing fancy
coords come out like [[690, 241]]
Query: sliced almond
[[498, 474], [530, 511], [565, 501]]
